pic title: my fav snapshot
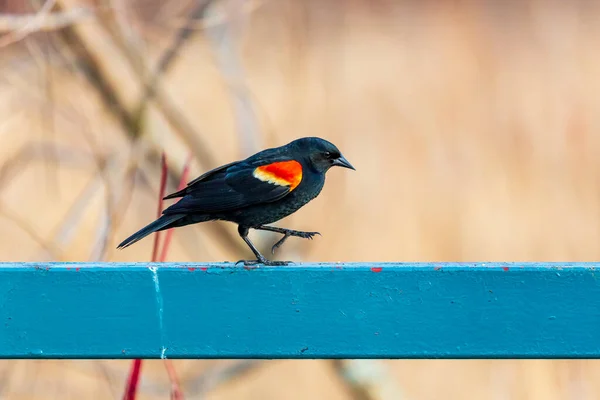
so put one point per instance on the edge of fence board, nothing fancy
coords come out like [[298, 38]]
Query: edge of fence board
[[351, 310]]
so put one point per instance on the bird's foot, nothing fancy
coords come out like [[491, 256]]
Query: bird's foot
[[290, 232], [264, 262], [301, 234]]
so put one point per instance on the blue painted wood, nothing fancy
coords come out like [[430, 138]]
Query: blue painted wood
[[506, 310]]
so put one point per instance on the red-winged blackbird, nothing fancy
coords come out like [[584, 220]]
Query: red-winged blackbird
[[259, 190]]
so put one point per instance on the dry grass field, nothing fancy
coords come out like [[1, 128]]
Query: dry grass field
[[474, 127]]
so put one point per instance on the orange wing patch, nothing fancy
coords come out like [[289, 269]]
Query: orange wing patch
[[284, 173]]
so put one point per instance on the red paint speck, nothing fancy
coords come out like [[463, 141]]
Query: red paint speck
[[191, 269], [338, 267], [249, 267], [437, 268], [77, 269], [68, 268], [203, 269], [376, 269], [505, 268]]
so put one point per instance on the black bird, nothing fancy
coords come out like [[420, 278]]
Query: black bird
[[259, 190]]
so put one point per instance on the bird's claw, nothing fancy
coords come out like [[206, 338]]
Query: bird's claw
[[264, 262], [300, 234], [308, 235]]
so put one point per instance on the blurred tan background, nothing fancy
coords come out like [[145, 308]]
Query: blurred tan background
[[473, 125]]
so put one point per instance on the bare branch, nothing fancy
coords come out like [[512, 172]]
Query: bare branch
[[224, 39], [26, 24], [65, 155], [367, 379], [209, 21], [216, 376]]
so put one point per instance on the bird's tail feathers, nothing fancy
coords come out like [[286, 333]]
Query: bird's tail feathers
[[158, 225]]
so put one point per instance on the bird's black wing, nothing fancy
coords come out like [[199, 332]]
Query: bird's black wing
[[231, 187], [260, 158], [203, 177]]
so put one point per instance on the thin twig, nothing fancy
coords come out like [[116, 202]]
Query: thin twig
[[217, 376], [224, 41], [152, 90], [47, 116], [49, 22], [76, 212], [169, 55], [209, 21], [92, 68], [367, 380], [182, 183], [134, 377], [31, 151], [131, 389], [133, 380], [30, 27], [163, 186], [176, 393]]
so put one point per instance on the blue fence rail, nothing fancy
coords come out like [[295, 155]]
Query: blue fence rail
[[390, 310]]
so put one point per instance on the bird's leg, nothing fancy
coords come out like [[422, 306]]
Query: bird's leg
[[260, 259], [286, 234], [279, 243]]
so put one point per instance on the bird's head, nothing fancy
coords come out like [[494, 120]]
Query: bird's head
[[319, 153]]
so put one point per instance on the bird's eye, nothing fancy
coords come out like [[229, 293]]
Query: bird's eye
[[328, 155]]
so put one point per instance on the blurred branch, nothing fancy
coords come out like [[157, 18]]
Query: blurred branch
[[104, 54], [224, 40], [29, 28], [108, 214], [134, 377], [169, 55], [108, 61], [151, 88], [64, 154], [212, 20], [47, 111], [176, 393], [27, 24], [86, 50], [133, 380], [182, 184], [214, 377], [76, 211], [367, 379], [161, 195]]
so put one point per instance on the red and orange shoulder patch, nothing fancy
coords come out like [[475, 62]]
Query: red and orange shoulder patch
[[283, 173]]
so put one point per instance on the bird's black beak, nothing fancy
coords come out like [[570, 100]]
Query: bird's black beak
[[342, 162]]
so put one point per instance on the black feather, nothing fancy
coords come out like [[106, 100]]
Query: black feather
[[228, 191], [158, 225]]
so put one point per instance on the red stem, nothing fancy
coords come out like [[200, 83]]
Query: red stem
[[176, 393], [163, 187], [136, 366], [182, 182], [132, 381]]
